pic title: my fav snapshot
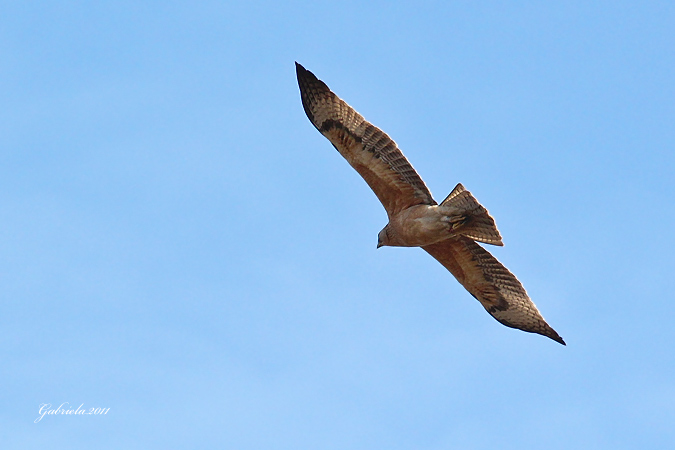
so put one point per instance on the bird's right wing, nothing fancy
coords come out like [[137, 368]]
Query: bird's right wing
[[497, 289], [368, 149]]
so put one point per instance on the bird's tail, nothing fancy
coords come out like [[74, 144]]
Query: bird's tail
[[469, 218]]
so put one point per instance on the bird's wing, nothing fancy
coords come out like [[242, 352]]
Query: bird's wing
[[497, 289], [368, 149]]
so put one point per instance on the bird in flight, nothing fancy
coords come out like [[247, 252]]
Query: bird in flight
[[447, 231]]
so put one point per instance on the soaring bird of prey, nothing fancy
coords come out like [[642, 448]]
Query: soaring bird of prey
[[448, 231]]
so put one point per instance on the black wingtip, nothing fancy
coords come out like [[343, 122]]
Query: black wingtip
[[300, 70], [311, 89], [304, 75], [556, 337]]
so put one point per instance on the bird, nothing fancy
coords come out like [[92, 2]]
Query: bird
[[449, 231]]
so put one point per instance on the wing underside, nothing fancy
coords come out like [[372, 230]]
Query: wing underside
[[369, 150], [497, 289]]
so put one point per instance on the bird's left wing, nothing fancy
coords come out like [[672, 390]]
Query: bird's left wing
[[368, 149], [497, 289]]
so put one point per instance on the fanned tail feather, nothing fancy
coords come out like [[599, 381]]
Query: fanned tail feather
[[469, 218]]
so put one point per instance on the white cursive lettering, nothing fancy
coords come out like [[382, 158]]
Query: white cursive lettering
[[63, 408]]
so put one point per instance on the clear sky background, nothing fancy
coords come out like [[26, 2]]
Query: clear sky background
[[180, 245]]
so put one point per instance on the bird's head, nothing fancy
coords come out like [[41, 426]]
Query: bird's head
[[383, 237]]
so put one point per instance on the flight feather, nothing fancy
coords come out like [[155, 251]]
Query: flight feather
[[369, 150]]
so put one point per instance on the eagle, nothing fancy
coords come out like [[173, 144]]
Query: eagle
[[448, 231]]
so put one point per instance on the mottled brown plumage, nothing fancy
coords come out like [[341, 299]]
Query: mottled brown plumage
[[368, 149], [447, 231]]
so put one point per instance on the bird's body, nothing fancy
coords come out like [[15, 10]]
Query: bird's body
[[459, 215], [448, 231], [416, 226]]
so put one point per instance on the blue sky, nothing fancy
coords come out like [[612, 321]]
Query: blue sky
[[181, 246]]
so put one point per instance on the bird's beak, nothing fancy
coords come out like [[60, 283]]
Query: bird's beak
[[379, 244]]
